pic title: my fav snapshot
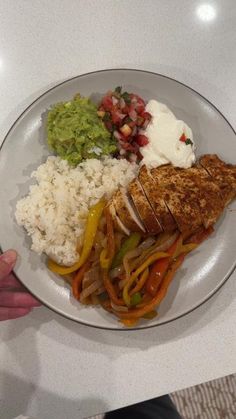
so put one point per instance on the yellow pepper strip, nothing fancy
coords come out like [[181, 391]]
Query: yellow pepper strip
[[141, 282], [135, 274], [186, 248], [104, 259], [94, 216], [178, 247]]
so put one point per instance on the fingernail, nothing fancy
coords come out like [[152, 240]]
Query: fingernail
[[9, 257]]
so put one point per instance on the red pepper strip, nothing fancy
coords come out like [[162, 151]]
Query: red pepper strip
[[139, 312], [159, 269], [111, 290], [77, 280], [201, 235]]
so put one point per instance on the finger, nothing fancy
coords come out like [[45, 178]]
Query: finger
[[7, 262], [17, 299], [10, 281], [7, 313]]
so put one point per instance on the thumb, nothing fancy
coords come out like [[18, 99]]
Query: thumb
[[7, 262]]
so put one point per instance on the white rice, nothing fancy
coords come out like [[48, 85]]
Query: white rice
[[55, 210]]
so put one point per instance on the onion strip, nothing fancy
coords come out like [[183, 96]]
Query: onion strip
[[119, 308], [159, 246], [90, 289]]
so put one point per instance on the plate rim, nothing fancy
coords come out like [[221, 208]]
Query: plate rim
[[142, 327]]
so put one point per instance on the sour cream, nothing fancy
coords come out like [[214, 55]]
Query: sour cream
[[164, 132]]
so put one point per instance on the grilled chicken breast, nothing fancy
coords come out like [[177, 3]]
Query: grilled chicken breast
[[223, 174], [144, 208], [168, 198]]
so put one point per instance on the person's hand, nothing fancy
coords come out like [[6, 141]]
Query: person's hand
[[15, 301]]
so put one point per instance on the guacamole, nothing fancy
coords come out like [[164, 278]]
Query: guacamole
[[75, 132]]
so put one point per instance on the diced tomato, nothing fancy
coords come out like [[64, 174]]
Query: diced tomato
[[132, 124], [107, 103], [183, 138], [141, 140], [140, 109], [138, 98], [125, 109], [117, 117], [132, 147], [125, 117]]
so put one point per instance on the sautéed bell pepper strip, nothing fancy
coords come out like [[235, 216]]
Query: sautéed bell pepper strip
[[129, 244], [107, 254], [160, 268], [77, 280], [135, 274], [135, 299], [110, 289], [129, 322], [104, 259], [140, 282], [151, 315], [136, 313], [187, 248], [93, 219]]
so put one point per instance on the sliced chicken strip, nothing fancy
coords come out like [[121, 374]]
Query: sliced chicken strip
[[144, 208], [126, 212], [118, 223], [154, 194], [222, 174]]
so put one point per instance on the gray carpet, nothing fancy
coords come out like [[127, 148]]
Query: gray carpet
[[213, 400]]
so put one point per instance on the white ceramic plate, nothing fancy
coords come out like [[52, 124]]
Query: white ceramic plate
[[24, 148]]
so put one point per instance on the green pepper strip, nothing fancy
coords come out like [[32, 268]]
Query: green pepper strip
[[129, 244], [135, 299]]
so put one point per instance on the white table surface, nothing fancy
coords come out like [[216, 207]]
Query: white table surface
[[50, 366]]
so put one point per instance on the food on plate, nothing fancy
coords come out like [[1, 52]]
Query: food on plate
[[129, 272], [176, 198], [170, 140], [126, 118], [75, 132], [123, 126], [124, 202], [54, 212]]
